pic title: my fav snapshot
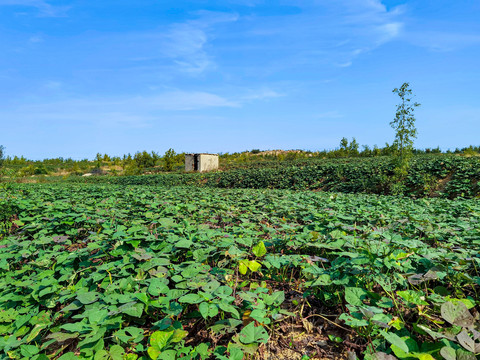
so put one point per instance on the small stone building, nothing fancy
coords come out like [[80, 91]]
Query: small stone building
[[201, 162]]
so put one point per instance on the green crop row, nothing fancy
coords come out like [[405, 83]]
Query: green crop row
[[145, 272], [444, 176]]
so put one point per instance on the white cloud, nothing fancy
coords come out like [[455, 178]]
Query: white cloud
[[333, 32], [184, 101], [53, 85], [262, 94], [389, 31], [345, 64], [35, 39], [329, 115], [185, 42], [138, 111], [443, 41], [43, 7]]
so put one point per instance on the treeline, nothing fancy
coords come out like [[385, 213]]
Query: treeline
[[346, 149], [144, 162], [103, 164]]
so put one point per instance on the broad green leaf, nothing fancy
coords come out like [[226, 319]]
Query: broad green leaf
[[259, 250], [153, 352], [235, 354], [355, 295], [178, 335], [254, 265], [184, 244], [116, 352], [322, 280], [160, 339], [230, 309], [157, 287], [135, 310], [251, 334], [29, 350], [412, 296], [88, 297], [243, 266], [396, 340], [191, 299]]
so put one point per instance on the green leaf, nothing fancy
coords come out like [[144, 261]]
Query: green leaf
[[133, 309], [394, 339], [160, 339], [87, 297], [101, 355], [322, 280], [412, 296], [204, 308], [153, 352], [230, 309], [129, 334], [243, 266], [277, 298], [178, 335], [259, 250], [35, 331], [184, 244], [254, 265], [252, 334], [191, 299], [355, 295], [157, 287], [29, 350], [116, 352], [168, 355], [235, 354]]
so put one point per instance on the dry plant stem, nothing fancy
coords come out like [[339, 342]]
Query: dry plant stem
[[326, 319]]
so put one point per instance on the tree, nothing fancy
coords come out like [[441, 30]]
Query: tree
[[404, 124], [353, 147], [405, 133], [344, 144], [2, 149], [169, 159], [98, 159]]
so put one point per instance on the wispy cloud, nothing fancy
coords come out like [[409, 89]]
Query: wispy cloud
[[262, 94], [185, 42], [329, 115], [327, 32], [35, 39], [442, 41], [139, 111], [43, 7]]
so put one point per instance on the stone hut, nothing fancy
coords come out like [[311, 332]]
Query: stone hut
[[201, 162]]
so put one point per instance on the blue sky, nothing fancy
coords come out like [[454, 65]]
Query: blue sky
[[81, 77]]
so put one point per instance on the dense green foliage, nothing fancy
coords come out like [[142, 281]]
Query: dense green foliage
[[149, 163], [115, 272], [445, 176]]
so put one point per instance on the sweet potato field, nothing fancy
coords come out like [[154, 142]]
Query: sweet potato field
[[92, 271]]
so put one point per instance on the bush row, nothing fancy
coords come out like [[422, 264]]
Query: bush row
[[445, 176]]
